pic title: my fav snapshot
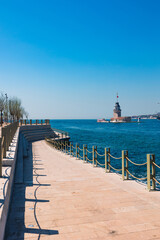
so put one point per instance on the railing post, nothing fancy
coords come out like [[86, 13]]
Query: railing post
[[6, 138], [1, 157], [41, 122], [109, 160], [76, 150], [86, 153], [124, 164], [4, 143], [67, 147], [105, 152], [30, 121], [126, 155], [83, 153], [96, 155], [93, 155], [153, 171], [70, 148], [10, 134], [123, 167], [149, 172], [25, 122], [63, 146]]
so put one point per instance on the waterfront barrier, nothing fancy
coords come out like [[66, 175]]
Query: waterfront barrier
[[7, 134], [35, 122], [108, 163], [15, 157], [60, 133]]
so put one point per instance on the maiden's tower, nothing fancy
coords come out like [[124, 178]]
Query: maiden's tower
[[117, 114]]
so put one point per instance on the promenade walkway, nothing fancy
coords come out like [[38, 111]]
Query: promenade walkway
[[72, 200]]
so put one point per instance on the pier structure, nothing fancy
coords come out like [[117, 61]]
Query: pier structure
[[49, 191]]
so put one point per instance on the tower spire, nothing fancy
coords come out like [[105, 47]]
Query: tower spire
[[117, 96]]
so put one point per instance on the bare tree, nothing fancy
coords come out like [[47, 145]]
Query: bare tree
[[5, 112], [15, 109], [2, 106]]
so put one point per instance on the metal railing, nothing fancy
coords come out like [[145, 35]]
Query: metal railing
[[7, 134], [34, 122], [108, 158], [60, 133]]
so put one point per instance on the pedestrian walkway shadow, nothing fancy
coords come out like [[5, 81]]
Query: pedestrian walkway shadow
[[16, 229]]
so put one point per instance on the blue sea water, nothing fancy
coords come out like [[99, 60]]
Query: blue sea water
[[138, 138]]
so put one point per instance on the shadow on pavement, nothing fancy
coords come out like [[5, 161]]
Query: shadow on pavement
[[16, 229]]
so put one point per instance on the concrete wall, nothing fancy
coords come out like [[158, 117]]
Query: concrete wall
[[5, 210], [25, 135]]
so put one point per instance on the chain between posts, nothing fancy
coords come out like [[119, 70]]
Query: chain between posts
[[114, 157]]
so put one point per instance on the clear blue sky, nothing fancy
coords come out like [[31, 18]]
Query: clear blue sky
[[69, 58]]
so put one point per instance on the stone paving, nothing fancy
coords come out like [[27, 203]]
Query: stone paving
[[70, 199]]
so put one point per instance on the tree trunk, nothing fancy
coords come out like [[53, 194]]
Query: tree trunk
[[1, 118]]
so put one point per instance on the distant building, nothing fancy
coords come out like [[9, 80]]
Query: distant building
[[117, 114]]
